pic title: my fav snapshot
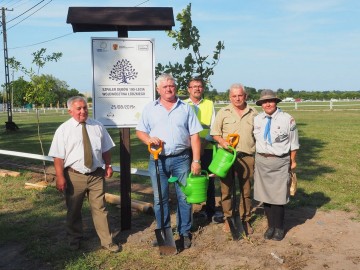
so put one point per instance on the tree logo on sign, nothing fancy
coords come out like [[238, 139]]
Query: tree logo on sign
[[123, 71]]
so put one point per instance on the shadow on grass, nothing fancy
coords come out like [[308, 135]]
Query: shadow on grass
[[35, 238], [308, 166], [303, 206]]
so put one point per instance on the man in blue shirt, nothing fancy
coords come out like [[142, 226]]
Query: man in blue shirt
[[174, 123]]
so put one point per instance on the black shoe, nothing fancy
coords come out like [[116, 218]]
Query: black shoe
[[218, 219], [187, 241], [269, 233], [278, 234]]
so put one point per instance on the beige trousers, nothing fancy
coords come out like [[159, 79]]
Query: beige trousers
[[79, 185], [244, 171]]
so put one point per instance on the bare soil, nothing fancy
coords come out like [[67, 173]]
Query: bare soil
[[314, 240]]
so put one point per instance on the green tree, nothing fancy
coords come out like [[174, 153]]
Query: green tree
[[19, 88], [41, 88], [195, 64], [251, 92]]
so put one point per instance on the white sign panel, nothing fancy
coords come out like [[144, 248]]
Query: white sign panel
[[123, 79]]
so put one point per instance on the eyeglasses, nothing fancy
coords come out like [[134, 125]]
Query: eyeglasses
[[196, 86]]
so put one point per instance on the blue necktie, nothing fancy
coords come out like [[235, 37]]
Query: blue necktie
[[267, 136]]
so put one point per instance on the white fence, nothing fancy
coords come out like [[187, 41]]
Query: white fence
[[47, 158], [311, 105]]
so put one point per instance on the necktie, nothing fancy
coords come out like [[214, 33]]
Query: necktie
[[267, 135], [87, 147]]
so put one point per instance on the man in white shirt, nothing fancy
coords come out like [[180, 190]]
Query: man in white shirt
[[75, 179]]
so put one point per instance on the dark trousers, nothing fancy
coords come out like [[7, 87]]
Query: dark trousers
[[275, 215], [206, 159]]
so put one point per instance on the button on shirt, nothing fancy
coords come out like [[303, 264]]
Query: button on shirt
[[228, 121], [283, 131], [173, 127], [67, 144]]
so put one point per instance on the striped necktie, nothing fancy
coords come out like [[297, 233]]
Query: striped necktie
[[267, 135], [87, 147]]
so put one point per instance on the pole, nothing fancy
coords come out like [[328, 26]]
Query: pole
[[125, 168], [10, 125]]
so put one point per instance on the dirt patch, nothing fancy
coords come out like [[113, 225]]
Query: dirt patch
[[314, 240]]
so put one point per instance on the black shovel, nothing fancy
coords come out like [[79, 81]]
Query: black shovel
[[235, 223], [164, 236]]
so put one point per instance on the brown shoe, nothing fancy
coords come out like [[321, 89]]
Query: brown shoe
[[112, 247], [248, 228], [226, 227]]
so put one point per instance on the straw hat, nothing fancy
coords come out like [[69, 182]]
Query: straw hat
[[267, 94]]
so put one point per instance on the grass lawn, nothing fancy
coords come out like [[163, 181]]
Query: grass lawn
[[328, 178]]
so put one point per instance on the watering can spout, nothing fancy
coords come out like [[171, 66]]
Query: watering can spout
[[185, 189]]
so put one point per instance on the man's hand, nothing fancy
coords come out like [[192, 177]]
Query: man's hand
[[108, 171], [61, 183], [195, 168]]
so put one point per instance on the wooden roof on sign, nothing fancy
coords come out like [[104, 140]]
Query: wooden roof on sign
[[96, 19]]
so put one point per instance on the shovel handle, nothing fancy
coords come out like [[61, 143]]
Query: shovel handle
[[155, 152], [233, 139]]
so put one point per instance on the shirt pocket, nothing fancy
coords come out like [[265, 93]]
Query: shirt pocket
[[229, 120], [280, 136], [228, 125]]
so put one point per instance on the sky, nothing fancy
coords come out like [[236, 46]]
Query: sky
[[311, 45]]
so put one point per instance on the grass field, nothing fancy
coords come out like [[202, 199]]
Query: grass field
[[328, 175], [328, 167]]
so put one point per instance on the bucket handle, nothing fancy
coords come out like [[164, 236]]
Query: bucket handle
[[214, 151], [202, 171], [233, 149], [233, 139]]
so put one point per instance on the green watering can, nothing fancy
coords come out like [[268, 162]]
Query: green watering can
[[196, 187], [223, 159]]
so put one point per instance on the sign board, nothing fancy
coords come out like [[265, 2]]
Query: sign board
[[123, 79]]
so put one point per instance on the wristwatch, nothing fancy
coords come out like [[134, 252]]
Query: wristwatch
[[108, 166], [196, 161]]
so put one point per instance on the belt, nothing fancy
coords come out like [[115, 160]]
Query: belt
[[181, 153], [242, 154], [271, 155], [69, 169]]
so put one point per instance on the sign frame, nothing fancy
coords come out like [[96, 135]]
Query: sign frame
[[123, 72]]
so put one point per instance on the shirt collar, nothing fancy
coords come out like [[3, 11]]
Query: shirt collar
[[76, 123], [196, 104], [178, 100], [274, 115]]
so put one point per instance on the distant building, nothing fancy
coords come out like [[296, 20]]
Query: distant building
[[288, 99]]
